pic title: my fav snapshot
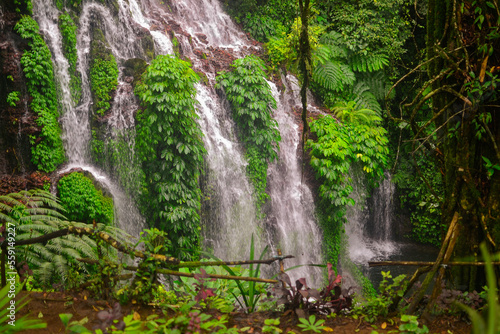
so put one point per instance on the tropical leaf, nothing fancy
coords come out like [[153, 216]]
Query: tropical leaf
[[36, 213], [378, 83]]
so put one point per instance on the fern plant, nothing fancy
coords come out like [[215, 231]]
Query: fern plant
[[348, 112], [338, 69], [36, 213]]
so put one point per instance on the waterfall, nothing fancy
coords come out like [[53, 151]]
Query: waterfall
[[291, 222], [382, 211], [229, 217], [75, 119], [364, 246]]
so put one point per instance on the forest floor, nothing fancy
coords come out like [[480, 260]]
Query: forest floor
[[48, 306]]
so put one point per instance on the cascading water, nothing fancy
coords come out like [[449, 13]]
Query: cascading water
[[230, 219], [291, 220], [382, 226], [363, 247], [75, 120]]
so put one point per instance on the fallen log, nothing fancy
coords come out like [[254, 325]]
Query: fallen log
[[425, 264]]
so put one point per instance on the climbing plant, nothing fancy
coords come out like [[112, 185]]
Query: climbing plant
[[103, 79], [47, 149], [337, 148], [83, 202], [169, 144], [252, 101], [68, 32]]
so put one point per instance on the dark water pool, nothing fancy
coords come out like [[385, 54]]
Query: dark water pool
[[405, 252]]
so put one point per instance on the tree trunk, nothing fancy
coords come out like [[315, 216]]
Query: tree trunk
[[467, 124]]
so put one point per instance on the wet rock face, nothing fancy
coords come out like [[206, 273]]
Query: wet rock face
[[16, 120]]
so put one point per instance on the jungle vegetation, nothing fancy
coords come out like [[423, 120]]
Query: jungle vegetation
[[408, 86]]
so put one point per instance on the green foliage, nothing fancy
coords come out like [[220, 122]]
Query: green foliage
[[423, 205], [250, 291], [103, 79], [311, 324], [271, 326], [145, 280], [335, 150], [369, 26], [252, 102], [13, 98], [378, 305], [490, 167], [348, 113], [9, 323], [47, 151], [24, 6], [412, 325], [169, 143], [83, 202], [488, 322], [261, 26], [339, 69], [68, 31], [183, 319], [36, 213], [282, 48]]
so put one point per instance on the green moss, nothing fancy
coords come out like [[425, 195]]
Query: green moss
[[148, 46], [135, 67]]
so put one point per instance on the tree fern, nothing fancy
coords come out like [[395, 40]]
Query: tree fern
[[333, 75], [378, 83], [369, 62], [364, 98], [36, 213], [348, 112]]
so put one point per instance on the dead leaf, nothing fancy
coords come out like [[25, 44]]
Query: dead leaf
[[384, 325], [137, 316]]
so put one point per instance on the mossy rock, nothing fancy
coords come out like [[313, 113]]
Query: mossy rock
[[148, 46], [134, 67], [99, 48]]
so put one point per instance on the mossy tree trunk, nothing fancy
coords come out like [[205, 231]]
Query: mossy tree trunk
[[465, 112]]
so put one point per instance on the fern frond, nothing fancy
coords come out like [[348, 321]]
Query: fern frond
[[6, 218], [351, 114], [368, 63], [364, 97], [333, 75], [36, 226], [44, 272], [378, 83], [322, 54]]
